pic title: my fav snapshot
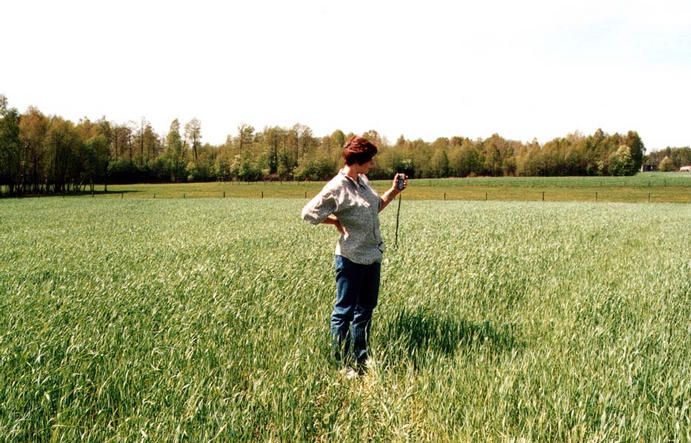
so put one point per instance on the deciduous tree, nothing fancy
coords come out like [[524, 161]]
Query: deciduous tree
[[174, 152], [10, 147], [193, 137], [666, 165], [33, 127]]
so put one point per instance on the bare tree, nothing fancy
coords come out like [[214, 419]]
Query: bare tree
[[193, 135]]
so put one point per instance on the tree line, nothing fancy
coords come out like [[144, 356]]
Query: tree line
[[670, 159], [49, 154]]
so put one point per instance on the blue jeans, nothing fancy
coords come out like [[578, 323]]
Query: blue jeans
[[357, 294]]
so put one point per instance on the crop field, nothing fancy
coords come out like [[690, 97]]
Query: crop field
[[207, 319], [652, 187]]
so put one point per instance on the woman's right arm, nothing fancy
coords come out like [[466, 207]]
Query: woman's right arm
[[333, 220], [321, 209]]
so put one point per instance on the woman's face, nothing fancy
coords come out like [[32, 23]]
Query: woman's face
[[365, 167]]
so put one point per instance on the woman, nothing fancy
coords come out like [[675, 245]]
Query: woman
[[350, 204]]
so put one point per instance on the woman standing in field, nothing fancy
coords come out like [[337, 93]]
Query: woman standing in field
[[350, 203]]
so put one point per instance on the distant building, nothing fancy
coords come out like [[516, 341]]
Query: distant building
[[686, 168], [648, 168]]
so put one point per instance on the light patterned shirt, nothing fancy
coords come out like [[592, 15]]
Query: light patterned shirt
[[356, 205]]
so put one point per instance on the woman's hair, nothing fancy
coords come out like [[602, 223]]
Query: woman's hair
[[358, 150]]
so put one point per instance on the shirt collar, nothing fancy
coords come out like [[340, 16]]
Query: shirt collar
[[359, 180]]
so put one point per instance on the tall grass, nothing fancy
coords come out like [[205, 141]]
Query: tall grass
[[207, 319]]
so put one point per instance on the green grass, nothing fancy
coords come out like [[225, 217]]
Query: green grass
[[208, 319], [653, 187], [644, 179]]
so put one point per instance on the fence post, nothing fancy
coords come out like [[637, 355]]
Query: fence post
[[183, 195], [485, 195], [595, 195], [262, 194], [648, 197], [305, 194], [224, 194], [543, 195], [445, 196]]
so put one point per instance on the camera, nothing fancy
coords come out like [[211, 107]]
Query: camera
[[400, 182]]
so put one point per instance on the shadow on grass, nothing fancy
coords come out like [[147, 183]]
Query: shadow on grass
[[421, 335]]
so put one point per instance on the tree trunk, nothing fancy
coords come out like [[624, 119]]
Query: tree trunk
[[141, 144]]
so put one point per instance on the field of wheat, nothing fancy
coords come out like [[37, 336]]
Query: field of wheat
[[207, 319]]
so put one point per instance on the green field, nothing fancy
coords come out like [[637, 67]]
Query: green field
[[207, 319], [644, 187]]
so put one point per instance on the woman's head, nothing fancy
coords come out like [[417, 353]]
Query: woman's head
[[358, 150]]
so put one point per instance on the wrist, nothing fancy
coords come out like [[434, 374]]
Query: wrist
[[392, 193]]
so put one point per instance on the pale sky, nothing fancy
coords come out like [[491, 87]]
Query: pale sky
[[424, 69]]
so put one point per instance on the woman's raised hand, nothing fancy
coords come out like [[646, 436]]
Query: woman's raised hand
[[395, 182]]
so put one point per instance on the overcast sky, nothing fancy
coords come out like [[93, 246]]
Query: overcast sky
[[424, 69]]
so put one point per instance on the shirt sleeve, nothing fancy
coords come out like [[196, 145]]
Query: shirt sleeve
[[320, 207]]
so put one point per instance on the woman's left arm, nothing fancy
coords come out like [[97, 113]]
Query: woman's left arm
[[391, 194]]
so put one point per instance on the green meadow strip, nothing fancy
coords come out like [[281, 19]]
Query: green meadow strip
[[641, 188]]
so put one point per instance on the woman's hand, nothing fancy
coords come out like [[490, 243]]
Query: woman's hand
[[391, 194], [333, 220], [340, 228], [394, 185]]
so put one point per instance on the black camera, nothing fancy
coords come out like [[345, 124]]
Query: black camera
[[400, 182]]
